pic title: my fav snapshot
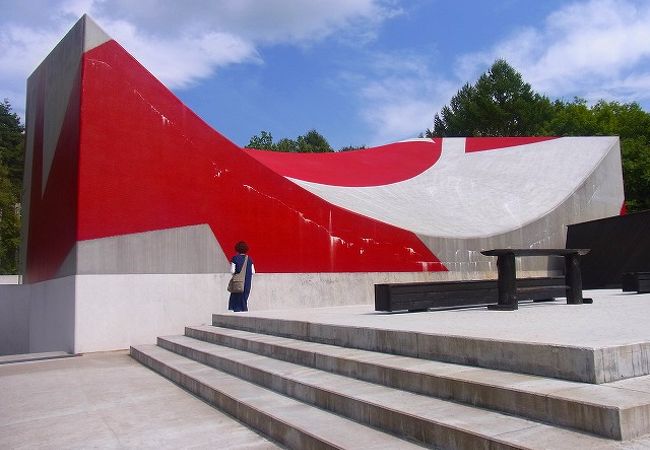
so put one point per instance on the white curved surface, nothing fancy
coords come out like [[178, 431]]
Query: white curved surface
[[477, 194]]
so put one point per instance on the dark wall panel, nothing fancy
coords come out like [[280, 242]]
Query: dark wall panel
[[618, 244]]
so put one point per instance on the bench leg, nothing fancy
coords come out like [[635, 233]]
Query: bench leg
[[507, 284], [573, 280]]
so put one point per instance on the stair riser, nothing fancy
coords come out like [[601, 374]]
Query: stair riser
[[586, 417], [268, 425], [403, 425], [575, 364]]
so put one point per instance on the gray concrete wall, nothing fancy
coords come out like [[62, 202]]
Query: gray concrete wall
[[11, 279], [14, 319], [191, 249], [87, 313], [50, 85], [52, 315], [115, 311]]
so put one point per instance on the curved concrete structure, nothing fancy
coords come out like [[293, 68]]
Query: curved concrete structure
[[123, 178], [132, 206]]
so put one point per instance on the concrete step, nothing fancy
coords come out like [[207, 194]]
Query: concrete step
[[576, 363], [27, 357], [283, 419], [614, 412], [426, 420]]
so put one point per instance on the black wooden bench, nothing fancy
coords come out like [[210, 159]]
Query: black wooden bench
[[421, 296], [636, 281]]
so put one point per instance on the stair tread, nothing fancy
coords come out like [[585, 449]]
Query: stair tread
[[331, 428], [480, 422], [605, 395]]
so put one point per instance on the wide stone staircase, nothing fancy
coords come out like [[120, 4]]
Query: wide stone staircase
[[306, 385]]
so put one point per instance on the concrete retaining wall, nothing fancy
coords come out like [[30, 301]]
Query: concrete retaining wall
[[14, 319], [86, 313]]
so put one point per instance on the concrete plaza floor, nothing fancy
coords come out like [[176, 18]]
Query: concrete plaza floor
[[615, 318], [107, 400]]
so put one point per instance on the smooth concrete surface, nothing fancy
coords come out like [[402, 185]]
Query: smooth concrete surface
[[329, 388], [116, 311], [191, 249], [615, 318], [602, 342], [24, 357], [11, 279], [14, 319], [467, 194], [102, 312], [289, 421], [52, 315], [108, 400], [426, 420], [617, 410]]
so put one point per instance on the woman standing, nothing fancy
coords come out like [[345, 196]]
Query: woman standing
[[238, 302]]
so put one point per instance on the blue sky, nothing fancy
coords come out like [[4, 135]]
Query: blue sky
[[361, 72]]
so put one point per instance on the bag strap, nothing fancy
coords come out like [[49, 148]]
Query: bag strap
[[244, 267]]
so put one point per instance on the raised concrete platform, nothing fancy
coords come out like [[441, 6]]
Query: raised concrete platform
[[354, 368], [603, 342]]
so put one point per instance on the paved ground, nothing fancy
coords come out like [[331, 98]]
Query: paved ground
[[107, 400]]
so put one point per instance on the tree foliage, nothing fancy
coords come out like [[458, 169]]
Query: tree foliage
[[500, 103], [263, 141], [310, 142], [11, 172], [626, 120]]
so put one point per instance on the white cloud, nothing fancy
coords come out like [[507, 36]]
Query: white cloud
[[594, 49], [180, 42], [399, 96], [180, 61], [268, 21]]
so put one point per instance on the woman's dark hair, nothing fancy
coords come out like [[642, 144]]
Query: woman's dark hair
[[241, 247]]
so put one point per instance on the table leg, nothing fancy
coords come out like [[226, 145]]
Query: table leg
[[573, 279], [507, 283]]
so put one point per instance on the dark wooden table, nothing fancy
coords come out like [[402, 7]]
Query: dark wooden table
[[507, 277]]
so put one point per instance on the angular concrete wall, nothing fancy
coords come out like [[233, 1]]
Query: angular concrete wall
[[14, 319], [133, 205], [172, 195]]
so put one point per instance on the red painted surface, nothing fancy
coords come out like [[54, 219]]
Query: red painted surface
[[53, 212], [149, 163], [623, 209], [478, 144], [370, 167]]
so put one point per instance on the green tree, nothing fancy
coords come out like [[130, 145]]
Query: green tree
[[500, 103], [310, 142], [349, 148], [11, 171], [286, 145], [12, 142], [626, 120], [262, 142], [313, 142], [636, 173]]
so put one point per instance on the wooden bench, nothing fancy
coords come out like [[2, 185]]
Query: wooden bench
[[507, 281], [636, 281], [421, 296]]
